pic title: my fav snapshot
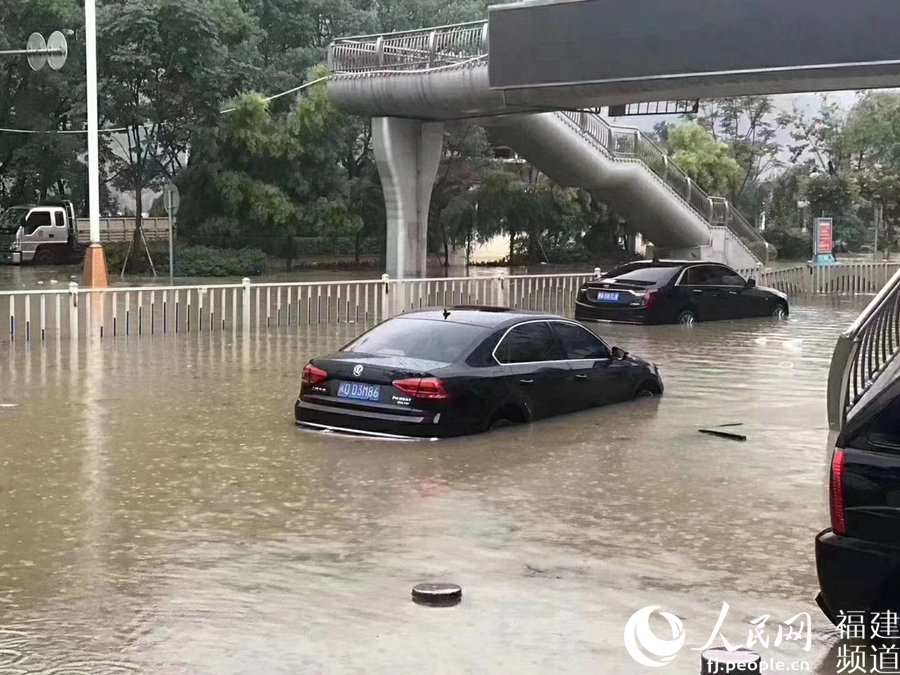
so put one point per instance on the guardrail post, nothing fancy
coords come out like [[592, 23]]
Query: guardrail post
[[386, 298], [485, 37], [687, 196], [379, 51], [432, 47], [598, 272], [501, 295], [73, 310], [245, 305], [665, 175]]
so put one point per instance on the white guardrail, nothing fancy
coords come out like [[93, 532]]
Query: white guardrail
[[152, 310], [39, 315]]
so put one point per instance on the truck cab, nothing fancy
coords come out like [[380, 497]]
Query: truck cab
[[39, 235]]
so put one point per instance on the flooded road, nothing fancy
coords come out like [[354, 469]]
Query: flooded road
[[163, 514]]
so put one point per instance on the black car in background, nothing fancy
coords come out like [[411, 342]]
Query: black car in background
[[448, 372], [858, 558], [673, 291]]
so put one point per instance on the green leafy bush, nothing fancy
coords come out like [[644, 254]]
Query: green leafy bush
[[190, 261], [203, 261]]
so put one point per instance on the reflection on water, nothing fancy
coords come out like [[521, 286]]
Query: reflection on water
[[163, 514]]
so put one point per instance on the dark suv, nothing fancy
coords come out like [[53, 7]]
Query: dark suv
[[858, 558]]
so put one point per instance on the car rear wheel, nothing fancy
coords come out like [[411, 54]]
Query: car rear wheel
[[780, 311], [686, 318], [507, 416]]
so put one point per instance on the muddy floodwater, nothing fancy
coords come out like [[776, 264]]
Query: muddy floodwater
[[162, 514]]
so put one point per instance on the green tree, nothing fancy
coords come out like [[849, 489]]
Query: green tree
[[264, 179], [709, 162], [42, 165], [747, 125], [162, 65]]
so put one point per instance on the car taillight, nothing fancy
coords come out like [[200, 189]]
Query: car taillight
[[313, 375], [650, 299], [838, 507], [423, 387]]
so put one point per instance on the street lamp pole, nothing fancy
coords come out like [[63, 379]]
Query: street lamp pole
[[95, 272]]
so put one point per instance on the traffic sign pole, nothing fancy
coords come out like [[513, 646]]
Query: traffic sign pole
[[173, 200], [171, 245]]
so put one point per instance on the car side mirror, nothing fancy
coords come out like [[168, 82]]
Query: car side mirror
[[618, 354], [751, 283]]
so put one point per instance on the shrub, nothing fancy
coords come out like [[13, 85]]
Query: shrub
[[203, 261], [190, 261]]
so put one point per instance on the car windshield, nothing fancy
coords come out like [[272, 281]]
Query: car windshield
[[442, 341], [642, 276], [12, 219]]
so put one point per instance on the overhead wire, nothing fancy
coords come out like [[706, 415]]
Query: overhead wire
[[115, 130]]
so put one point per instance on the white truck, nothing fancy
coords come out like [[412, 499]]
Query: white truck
[[40, 235]]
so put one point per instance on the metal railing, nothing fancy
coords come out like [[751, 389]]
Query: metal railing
[[35, 316], [72, 311], [864, 353], [410, 50], [430, 48]]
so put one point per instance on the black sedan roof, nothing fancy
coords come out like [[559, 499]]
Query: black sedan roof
[[486, 317]]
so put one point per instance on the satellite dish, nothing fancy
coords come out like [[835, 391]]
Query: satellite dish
[[37, 44], [57, 44]]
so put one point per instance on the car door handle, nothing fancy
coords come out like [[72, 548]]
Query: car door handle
[[698, 290], [51, 236], [526, 381], [581, 377]]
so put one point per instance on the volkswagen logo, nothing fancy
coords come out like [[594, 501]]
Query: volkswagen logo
[[357, 370]]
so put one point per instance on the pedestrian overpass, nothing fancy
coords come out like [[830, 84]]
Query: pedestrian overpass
[[549, 60], [410, 83]]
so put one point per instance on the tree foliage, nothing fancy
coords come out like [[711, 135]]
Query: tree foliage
[[709, 162]]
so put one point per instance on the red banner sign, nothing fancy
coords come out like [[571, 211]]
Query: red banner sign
[[824, 236]]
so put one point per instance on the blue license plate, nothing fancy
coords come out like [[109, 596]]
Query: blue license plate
[[607, 297], [359, 392]]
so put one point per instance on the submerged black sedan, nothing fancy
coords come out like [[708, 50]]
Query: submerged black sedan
[[461, 370], [676, 291]]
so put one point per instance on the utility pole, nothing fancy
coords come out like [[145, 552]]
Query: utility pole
[[95, 271]]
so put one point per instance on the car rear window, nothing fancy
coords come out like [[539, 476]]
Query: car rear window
[[642, 276], [443, 341], [884, 431]]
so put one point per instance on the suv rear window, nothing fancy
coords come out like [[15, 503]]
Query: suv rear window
[[443, 341], [884, 431], [642, 276]]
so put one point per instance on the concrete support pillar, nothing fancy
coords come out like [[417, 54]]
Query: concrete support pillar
[[407, 153]]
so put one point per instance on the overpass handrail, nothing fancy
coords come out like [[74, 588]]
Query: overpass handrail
[[410, 49], [864, 352], [632, 143]]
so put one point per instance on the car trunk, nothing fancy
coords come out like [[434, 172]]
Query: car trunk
[[367, 381], [615, 293], [866, 474]]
